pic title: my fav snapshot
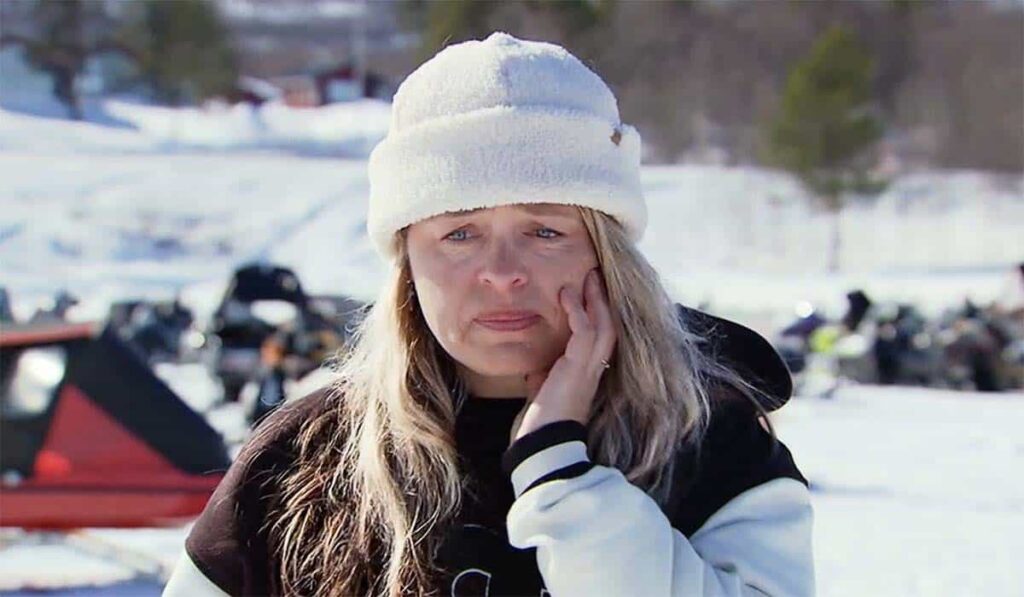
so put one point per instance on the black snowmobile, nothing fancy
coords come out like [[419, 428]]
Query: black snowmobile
[[240, 328], [153, 329]]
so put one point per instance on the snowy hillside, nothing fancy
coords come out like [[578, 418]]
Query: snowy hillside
[[174, 199], [350, 129]]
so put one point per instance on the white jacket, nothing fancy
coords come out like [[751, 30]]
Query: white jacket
[[597, 534]]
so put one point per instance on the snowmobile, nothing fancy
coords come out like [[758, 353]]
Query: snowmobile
[[258, 299], [156, 330], [981, 350], [90, 437], [262, 300], [297, 349], [823, 354], [793, 342], [905, 350]]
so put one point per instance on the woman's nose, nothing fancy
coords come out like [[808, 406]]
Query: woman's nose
[[502, 268]]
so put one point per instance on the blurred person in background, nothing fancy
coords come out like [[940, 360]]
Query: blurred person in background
[[6, 311], [521, 411], [272, 375]]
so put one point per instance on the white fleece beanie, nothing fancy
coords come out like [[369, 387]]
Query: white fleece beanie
[[497, 122]]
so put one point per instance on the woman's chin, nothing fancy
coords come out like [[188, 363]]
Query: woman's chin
[[507, 360]]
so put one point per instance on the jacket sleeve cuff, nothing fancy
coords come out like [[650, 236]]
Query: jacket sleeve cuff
[[555, 451]]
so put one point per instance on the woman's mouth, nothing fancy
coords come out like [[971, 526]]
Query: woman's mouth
[[509, 322]]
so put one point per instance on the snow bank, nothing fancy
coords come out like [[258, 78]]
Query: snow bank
[[349, 129], [178, 201]]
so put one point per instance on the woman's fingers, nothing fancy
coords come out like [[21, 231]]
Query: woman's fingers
[[601, 314], [593, 334], [581, 332], [579, 321]]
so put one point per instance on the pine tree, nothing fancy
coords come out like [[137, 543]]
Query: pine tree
[[61, 38], [445, 22], [825, 128], [181, 47], [185, 50]]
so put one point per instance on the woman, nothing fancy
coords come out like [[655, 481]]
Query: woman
[[521, 412]]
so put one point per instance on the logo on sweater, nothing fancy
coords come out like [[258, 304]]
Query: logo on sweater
[[483, 564]]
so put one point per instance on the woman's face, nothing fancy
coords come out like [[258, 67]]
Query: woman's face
[[488, 282]]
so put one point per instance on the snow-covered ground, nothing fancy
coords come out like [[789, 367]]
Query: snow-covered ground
[[90, 562], [114, 212], [916, 492]]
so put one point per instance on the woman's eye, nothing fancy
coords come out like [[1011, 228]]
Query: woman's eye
[[462, 234], [458, 235]]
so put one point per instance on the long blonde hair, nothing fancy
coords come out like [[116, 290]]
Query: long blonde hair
[[376, 481]]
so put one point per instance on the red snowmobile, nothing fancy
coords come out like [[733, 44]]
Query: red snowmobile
[[90, 437]]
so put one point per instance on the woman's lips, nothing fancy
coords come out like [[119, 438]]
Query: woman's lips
[[505, 324]]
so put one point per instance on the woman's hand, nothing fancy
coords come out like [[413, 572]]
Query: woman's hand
[[567, 389]]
